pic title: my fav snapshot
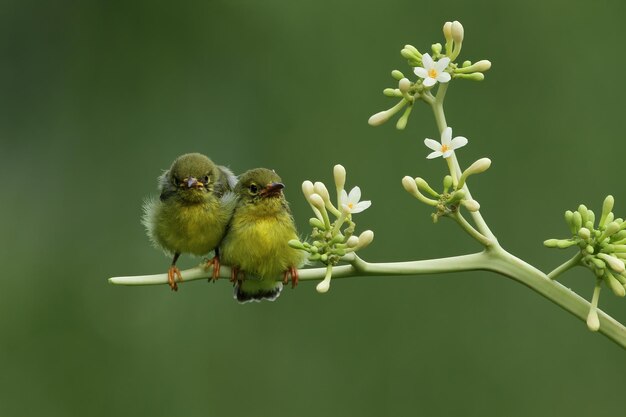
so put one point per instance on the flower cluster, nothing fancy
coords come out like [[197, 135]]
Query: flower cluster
[[453, 196], [430, 70], [330, 241], [602, 249]]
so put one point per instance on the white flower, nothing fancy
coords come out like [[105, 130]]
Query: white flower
[[447, 145], [433, 71], [351, 204]]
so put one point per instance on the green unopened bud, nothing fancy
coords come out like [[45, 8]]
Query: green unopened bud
[[589, 249], [597, 263], [565, 243], [584, 233], [315, 257], [471, 205], [474, 76], [591, 218], [391, 92], [410, 55], [315, 222], [411, 187], [614, 263], [480, 66], [337, 239], [365, 238], [423, 185], [466, 64], [339, 172], [296, 244], [447, 31], [582, 209], [413, 50], [607, 206], [614, 284], [458, 33], [550, 243], [456, 197], [620, 278], [609, 231], [447, 183], [577, 221], [569, 219], [404, 119], [618, 248], [436, 47], [397, 75]]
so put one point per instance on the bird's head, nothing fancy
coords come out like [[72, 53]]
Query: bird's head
[[260, 186], [191, 177]]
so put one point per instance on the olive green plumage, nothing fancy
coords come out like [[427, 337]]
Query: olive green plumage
[[193, 210], [256, 241]]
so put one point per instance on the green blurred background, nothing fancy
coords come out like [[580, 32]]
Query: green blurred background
[[97, 97]]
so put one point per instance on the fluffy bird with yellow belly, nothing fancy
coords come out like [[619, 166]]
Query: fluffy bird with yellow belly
[[192, 212], [255, 245]]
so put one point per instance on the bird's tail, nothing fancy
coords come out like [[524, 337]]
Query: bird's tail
[[250, 290]]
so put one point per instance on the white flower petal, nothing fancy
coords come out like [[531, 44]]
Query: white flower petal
[[429, 82], [363, 205], [432, 144], [447, 154], [420, 72], [446, 135], [427, 62], [344, 197], [434, 154], [442, 64], [458, 142], [346, 209], [355, 195], [443, 77]]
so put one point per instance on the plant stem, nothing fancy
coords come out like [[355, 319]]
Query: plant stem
[[566, 266], [470, 229]]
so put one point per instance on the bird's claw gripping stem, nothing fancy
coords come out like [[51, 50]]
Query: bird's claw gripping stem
[[215, 264], [293, 272], [173, 274]]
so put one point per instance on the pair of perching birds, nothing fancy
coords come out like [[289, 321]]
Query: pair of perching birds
[[203, 207]]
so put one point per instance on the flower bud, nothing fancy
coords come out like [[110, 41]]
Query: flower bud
[[477, 167], [584, 233], [614, 284], [315, 222], [389, 92], [593, 323], [296, 244], [577, 220], [471, 205], [352, 242], [447, 31], [475, 76], [466, 64], [403, 120], [307, 189], [365, 238], [550, 243], [339, 173], [397, 75], [614, 263], [607, 206], [317, 201], [436, 47], [323, 286], [447, 183], [422, 184], [404, 84], [458, 33], [320, 189], [410, 186], [379, 118], [480, 66], [413, 50]]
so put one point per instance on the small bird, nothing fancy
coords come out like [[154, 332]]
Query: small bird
[[192, 212], [256, 241]]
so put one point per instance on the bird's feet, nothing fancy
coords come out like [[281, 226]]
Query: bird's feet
[[236, 275], [215, 264], [293, 272], [173, 274]]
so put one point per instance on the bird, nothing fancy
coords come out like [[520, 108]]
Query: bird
[[256, 242], [192, 211]]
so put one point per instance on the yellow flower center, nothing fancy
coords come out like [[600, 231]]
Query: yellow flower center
[[432, 73], [350, 206], [444, 148]]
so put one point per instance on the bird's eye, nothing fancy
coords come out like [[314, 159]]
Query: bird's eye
[[206, 179], [253, 188]]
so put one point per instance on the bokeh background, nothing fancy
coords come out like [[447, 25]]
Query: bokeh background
[[97, 97]]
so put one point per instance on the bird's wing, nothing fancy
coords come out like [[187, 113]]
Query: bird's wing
[[226, 182], [165, 187]]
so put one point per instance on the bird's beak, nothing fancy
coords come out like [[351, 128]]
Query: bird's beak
[[193, 183], [272, 189]]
